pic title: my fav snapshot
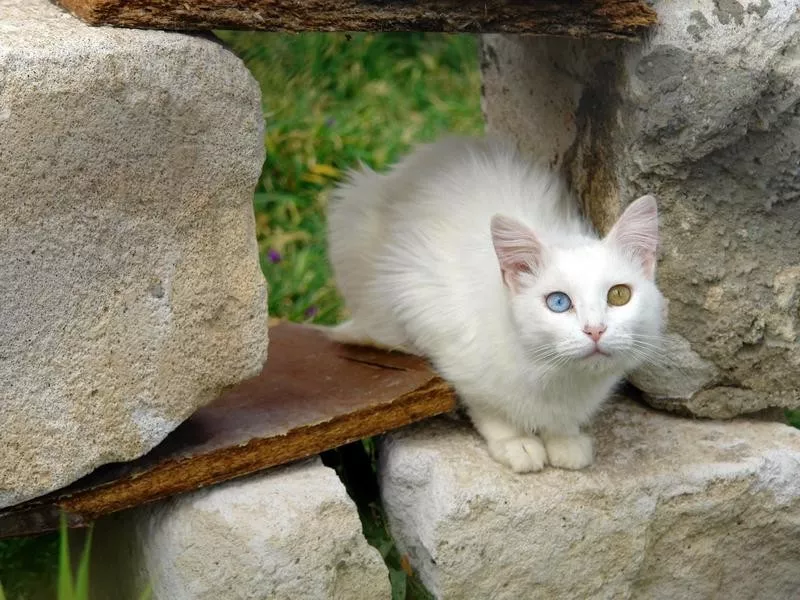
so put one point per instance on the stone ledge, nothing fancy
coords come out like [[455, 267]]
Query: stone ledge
[[672, 508], [289, 534]]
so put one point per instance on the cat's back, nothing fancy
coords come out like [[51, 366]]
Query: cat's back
[[457, 184]]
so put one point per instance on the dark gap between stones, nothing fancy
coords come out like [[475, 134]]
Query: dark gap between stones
[[356, 466]]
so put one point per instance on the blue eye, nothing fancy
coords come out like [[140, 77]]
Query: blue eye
[[558, 302]]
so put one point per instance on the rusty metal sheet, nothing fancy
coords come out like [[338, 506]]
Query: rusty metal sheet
[[604, 19], [313, 395]]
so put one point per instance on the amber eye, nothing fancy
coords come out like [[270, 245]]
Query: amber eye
[[619, 295]]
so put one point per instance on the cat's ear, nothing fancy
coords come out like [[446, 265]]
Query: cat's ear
[[518, 250], [636, 232]]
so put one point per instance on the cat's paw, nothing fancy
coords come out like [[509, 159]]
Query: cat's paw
[[569, 451], [521, 454]]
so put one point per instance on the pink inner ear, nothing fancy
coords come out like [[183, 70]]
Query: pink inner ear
[[636, 232], [517, 248]]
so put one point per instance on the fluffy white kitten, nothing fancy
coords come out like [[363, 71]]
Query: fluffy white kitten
[[469, 256]]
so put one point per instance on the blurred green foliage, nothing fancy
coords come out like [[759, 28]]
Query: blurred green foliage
[[330, 101]]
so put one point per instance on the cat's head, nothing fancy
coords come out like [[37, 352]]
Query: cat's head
[[591, 305]]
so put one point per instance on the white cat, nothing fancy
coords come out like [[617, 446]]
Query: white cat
[[467, 255]]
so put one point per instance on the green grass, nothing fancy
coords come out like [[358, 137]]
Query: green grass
[[55, 578], [331, 100], [72, 587], [29, 566]]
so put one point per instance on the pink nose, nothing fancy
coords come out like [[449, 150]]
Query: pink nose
[[594, 332]]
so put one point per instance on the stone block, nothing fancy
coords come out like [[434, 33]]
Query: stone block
[[705, 116], [289, 533], [672, 508], [131, 292]]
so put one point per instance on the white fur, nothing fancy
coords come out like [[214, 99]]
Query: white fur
[[451, 256]]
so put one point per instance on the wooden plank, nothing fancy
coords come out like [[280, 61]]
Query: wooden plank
[[313, 395], [580, 18]]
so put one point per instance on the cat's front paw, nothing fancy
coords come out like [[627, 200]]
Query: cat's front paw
[[521, 454], [569, 451]]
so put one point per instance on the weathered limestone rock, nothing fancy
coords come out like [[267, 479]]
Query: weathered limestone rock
[[705, 116], [290, 533], [130, 290], [672, 508]]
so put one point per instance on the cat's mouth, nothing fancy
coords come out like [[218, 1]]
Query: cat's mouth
[[596, 351]]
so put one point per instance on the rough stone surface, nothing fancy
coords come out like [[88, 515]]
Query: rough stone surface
[[538, 107], [131, 292], [290, 533], [538, 91], [672, 508], [706, 116]]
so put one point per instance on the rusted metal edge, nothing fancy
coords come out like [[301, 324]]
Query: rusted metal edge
[[42, 515], [607, 19]]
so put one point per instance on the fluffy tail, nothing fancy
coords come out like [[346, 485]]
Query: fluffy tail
[[350, 333], [354, 232]]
